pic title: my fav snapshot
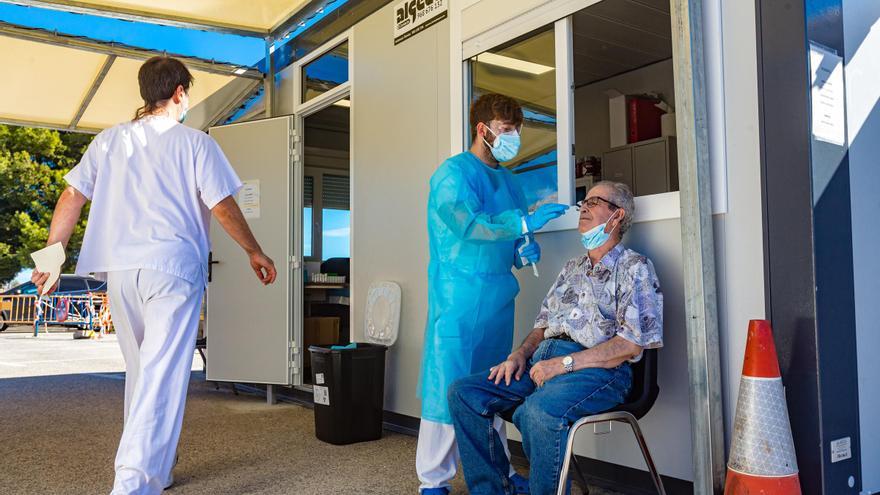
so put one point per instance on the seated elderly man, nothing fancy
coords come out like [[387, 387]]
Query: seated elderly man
[[603, 310]]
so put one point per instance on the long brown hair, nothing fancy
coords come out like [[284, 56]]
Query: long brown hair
[[159, 78]]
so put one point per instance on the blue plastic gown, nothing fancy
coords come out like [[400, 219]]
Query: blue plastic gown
[[474, 222]]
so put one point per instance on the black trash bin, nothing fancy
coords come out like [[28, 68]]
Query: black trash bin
[[349, 390]]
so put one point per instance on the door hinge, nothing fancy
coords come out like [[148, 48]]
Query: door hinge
[[295, 263], [292, 139], [293, 364]]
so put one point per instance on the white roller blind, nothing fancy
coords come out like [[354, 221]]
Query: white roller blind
[[308, 191], [335, 193]]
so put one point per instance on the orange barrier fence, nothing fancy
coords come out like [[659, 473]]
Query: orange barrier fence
[[88, 311]]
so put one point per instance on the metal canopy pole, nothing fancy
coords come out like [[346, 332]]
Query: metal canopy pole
[[698, 246], [78, 43], [269, 99], [96, 84], [224, 113], [269, 80], [312, 8], [44, 125], [136, 15]]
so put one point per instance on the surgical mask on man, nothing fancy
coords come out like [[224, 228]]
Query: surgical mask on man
[[182, 116], [596, 237], [506, 145]]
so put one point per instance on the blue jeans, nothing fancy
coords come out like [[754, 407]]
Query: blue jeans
[[543, 415]]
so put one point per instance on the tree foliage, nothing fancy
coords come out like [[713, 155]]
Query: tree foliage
[[32, 167]]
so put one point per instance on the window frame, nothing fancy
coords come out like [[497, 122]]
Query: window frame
[[339, 92], [317, 174], [565, 158], [650, 208]]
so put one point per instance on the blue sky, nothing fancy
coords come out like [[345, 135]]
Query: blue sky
[[336, 235], [230, 48]]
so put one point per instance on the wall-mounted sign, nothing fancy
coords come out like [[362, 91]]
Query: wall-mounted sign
[[249, 198], [411, 17], [827, 98]]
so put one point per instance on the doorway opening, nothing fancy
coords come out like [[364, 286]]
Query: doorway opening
[[326, 228]]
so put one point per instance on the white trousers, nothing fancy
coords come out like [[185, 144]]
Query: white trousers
[[437, 452], [156, 317]]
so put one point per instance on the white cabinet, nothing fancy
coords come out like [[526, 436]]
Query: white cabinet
[[648, 167]]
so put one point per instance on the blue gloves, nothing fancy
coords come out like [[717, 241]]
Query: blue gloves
[[530, 252], [544, 214]]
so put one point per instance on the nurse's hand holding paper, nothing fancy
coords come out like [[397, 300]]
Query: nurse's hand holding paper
[[48, 263]]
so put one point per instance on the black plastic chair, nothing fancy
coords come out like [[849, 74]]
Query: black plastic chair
[[640, 400]]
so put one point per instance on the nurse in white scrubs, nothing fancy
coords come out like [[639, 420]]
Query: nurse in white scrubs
[[154, 185]]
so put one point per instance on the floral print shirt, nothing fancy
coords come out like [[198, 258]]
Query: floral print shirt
[[620, 295]]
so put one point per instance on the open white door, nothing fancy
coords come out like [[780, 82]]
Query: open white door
[[249, 326]]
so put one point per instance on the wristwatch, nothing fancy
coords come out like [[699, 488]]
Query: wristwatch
[[568, 364]]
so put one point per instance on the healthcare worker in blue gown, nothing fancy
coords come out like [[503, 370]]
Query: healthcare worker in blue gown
[[478, 221]]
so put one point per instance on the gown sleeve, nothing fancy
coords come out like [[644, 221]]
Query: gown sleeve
[[459, 207]]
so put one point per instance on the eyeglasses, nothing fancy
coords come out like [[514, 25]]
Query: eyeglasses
[[504, 128], [593, 201]]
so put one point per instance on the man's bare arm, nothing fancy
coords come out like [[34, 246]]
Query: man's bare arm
[[531, 342], [64, 219], [229, 216], [608, 354], [66, 215], [515, 364]]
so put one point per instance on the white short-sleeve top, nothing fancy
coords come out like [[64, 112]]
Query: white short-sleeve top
[[152, 184]]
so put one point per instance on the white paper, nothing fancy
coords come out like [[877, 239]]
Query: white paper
[[319, 378], [49, 260], [322, 395], [826, 69], [841, 449], [249, 199]]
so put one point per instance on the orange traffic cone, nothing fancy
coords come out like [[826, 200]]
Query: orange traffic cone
[[762, 459]]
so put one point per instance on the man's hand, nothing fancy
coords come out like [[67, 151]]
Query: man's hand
[[514, 367], [544, 371], [39, 279], [263, 267]]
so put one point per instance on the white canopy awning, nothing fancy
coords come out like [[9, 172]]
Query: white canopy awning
[[77, 83], [250, 18]]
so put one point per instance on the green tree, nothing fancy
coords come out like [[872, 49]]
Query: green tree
[[32, 167]]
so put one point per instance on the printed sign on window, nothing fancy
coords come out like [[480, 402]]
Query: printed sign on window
[[411, 17]]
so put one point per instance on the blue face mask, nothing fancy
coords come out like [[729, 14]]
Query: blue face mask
[[596, 237], [506, 145], [182, 116]]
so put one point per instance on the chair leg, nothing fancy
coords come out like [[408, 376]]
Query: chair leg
[[599, 418], [566, 464], [204, 361], [655, 476], [580, 473]]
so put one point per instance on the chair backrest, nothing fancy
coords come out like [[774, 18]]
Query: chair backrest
[[339, 266], [644, 386]]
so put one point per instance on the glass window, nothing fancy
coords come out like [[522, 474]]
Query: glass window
[[26, 289], [336, 217], [525, 69], [72, 284], [308, 198], [623, 90], [325, 72], [336, 234]]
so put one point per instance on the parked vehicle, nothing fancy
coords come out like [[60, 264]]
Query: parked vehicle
[[70, 285]]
